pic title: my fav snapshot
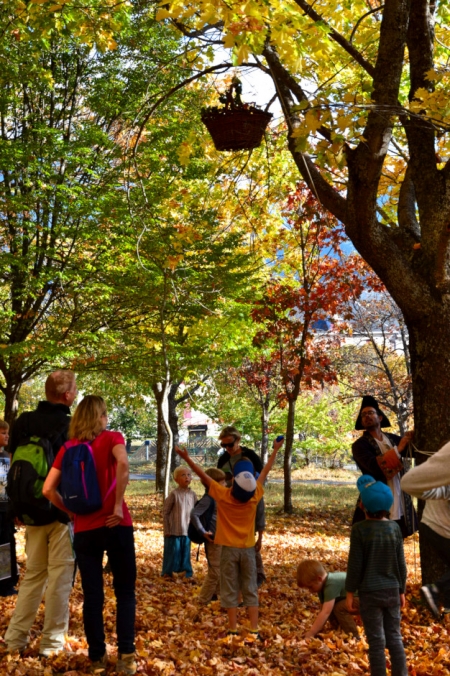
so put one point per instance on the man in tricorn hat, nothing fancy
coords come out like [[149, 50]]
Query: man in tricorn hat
[[379, 454]]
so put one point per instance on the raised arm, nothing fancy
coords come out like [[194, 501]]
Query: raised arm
[[268, 466], [182, 452]]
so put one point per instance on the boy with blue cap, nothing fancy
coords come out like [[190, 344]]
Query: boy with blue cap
[[377, 570], [235, 531]]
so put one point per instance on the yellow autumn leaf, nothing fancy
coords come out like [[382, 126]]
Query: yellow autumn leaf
[[243, 53], [312, 121], [184, 152], [162, 14], [229, 40]]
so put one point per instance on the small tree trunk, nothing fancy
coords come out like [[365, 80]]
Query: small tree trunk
[[161, 439], [173, 422], [11, 392], [165, 417], [264, 431], [288, 508]]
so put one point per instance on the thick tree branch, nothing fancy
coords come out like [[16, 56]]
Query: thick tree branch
[[430, 183], [282, 75], [420, 131], [324, 192], [407, 207]]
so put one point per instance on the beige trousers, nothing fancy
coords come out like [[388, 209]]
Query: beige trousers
[[211, 583], [50, 566]]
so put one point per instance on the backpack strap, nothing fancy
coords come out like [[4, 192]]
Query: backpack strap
[[110, 489]]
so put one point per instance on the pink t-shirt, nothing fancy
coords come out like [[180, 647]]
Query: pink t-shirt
[[105, 464]]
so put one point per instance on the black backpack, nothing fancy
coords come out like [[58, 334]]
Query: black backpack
[[193, 534], [30, 464]]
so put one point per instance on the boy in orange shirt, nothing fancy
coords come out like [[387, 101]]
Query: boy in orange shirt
[[235, 531]]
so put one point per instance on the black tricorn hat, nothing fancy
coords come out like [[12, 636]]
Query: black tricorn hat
[[368, 400]]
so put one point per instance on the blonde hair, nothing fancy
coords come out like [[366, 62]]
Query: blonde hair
[[215, 473], [58, 383], [309, 570], [4, 425], [230, 431], [86, 422], [179, 469]]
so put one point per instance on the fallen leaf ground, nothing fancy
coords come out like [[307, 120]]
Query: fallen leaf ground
[[176, 636]]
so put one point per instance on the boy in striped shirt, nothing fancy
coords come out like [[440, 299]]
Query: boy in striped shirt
[[377, 570]]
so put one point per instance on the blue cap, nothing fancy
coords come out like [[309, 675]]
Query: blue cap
[[375, 495], [244, 484]]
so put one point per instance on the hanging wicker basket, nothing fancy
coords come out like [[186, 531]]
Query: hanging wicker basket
[[237, 128]]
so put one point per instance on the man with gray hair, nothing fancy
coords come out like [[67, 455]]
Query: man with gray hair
[[50, 561]]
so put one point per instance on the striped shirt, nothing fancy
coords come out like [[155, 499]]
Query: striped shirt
[[376, 559], [177, 511]]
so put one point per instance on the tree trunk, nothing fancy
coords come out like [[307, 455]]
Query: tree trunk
[[264, 431], [288, 507], [161, 438], [430, 362], [11, 392], [173, 422]]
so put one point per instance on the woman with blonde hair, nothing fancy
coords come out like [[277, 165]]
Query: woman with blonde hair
[[107, 529]]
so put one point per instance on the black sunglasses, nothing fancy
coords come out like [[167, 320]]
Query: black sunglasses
[[229, 445]]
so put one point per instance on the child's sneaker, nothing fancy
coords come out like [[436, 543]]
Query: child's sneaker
[[252, 637], [126, 664], [430, 594]]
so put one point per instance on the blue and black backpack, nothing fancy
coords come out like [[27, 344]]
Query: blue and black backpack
[[79, 487]]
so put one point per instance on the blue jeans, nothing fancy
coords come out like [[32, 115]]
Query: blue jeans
[[177, 555], [380, 613], [89, 547]]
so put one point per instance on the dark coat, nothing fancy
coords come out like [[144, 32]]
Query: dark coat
[[365, 451], [50, 421]]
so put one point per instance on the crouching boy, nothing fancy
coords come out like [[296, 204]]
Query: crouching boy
[[235, 531], [330, 587]]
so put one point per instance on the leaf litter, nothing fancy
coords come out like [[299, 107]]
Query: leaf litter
[[174, 635]]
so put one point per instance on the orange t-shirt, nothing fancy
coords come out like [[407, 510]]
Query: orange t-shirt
[[235, 519]]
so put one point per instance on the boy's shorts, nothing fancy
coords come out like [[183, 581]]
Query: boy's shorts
[[238, 573]]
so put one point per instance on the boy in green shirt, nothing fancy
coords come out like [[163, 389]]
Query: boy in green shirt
[[330, 587]]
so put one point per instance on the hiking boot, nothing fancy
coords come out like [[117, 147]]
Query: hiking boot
[[99, 666], [430, 594], [126, 664]]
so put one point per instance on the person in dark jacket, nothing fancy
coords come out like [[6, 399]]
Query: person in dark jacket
[[230, 439], [50, 562], [379, 454], [7, 581]]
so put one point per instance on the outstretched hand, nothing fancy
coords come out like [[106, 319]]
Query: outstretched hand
[[182, 452], [278, 444]]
